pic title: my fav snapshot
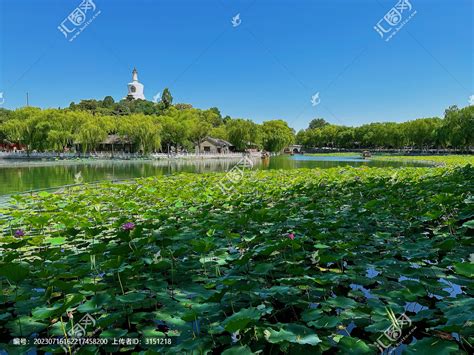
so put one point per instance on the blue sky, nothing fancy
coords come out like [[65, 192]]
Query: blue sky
[[268, 67]]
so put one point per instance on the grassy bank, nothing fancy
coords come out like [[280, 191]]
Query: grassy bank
[[286, 261], [440, 160], [340, 154]]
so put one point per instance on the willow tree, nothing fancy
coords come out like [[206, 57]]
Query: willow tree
[[93, 130], [143, 130], [23, 126], [198, 131], [241, 132], [276, 135], [174, 132]]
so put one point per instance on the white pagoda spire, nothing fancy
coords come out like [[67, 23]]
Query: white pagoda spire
[[135, 88]]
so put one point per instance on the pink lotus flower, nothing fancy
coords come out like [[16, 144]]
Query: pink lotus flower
[[19, 233], [128, 226], [291, 236]]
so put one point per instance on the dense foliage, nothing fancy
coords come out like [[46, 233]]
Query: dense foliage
[[162, 126], [147, 125], [302, 261], [456, 130]]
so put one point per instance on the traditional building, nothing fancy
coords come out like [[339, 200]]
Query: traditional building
[[113, 143], [214, 146], [135, 88]]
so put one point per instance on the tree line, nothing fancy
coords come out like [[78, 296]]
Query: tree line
[[150, 126], [164, 126], [455, 130]]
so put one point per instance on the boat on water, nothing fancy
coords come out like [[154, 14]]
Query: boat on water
[[366, 154]]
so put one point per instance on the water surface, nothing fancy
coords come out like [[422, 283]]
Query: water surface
[[21, 175]]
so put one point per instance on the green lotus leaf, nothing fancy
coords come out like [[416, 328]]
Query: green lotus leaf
[[433, 346], [292, 333], [95, 304], [131, 297], [113, 333], [42, 313], [241, 319], [25, 326], [469, 224], [238, 350], [465, 269], [15, 272], [350, 345], [342, 302]]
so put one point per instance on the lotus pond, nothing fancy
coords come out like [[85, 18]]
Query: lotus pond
[[303, 261]]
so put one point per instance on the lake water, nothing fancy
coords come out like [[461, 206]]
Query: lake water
[[21, 176]]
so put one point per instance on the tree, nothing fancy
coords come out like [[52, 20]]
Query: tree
[[276, 135], [317, 123], [174, 133], [212, 117], [166, 98], [421, 133], [23, 128], [459, 126], [108, 102], [198, 131], [241, 132], [143, 130], [219, 132], [61, 129], [216, 111], [91, 133]]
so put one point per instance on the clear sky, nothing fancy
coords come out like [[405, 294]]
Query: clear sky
[[282, 53]]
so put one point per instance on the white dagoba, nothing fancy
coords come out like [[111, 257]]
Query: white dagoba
[[135, 88]]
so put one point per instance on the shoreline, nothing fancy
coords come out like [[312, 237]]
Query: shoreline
[[21, 160]]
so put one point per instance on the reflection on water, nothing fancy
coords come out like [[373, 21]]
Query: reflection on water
[[19, 176], [307, 161]]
